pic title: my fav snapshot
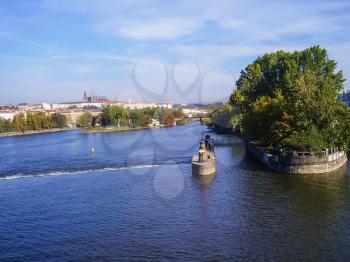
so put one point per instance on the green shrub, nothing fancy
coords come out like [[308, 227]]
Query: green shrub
[[308, 140]]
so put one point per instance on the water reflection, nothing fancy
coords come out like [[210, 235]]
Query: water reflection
[[204, 182], [290, 212]]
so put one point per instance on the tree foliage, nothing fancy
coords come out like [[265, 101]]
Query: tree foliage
[[119, 116], [85, 120], [32, 122], [114, 115], [6, 126], [221, 117], [168, 118], [283, 98], [19, 122], [58, 120]]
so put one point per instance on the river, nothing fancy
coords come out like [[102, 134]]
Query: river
[[135, 199]]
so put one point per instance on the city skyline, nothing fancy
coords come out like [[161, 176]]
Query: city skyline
[[53, 50], [88, 96]]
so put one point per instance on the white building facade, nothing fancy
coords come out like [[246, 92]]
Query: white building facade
[[7, 115]]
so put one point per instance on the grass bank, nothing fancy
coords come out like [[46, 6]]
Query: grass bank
[[35, 132]]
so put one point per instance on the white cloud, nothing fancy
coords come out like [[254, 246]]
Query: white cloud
[[144, 29], [214, 55], [210, 33]]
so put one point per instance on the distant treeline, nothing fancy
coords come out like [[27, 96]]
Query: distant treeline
[[110, 116], [122, 117], [33, 122]]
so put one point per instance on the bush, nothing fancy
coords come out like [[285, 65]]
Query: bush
[[58, 120], [6, 126], [308, 140], [85, 120], [222, 116]]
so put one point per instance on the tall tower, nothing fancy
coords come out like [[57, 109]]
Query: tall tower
[[85, 96], [92, 95]]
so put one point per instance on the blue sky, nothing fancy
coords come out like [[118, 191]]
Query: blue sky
[[178, 51]]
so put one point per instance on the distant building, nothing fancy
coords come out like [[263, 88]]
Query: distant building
[[94, 98], [22, 106], [164, 105], [8, 107], [112, 103], [76, 105], [345, 99], [7, 114], [194, 111], [46, 106], [143, 105], [33, 107]]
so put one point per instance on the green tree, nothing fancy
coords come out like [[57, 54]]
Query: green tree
[[310, 139], [6, 126], [168, 118], [139, 118], [114, 115], [120, 115], [96, 120], [107, 117], [32, 122], [85, 120], [283, 97], [221, 117], [58, 120], [178, 113], [43, 120], [155, 114], [19, 122]]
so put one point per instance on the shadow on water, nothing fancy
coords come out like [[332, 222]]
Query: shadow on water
[[283, 208], [274, 215]]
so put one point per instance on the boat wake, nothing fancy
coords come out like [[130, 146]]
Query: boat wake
[[60, 173]]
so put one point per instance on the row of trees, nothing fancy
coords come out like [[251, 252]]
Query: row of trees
[[289, 100], [110, 116], [32, 122], [122, 117]]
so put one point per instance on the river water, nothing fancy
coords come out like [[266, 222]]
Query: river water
[[135, 199]]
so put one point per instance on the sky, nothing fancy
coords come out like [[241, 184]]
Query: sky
[[154, 50]]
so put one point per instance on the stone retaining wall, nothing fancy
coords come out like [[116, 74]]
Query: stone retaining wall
[[305, 164]]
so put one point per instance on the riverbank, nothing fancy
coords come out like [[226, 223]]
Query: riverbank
[[35, 132], [84, 130], [303, 163], [113, 129], [293, 162]]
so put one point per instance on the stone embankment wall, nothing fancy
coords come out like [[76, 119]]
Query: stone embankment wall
[[299, 163]]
